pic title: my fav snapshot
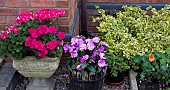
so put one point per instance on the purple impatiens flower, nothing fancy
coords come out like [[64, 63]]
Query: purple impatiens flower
[[96, 39], [105, 44], [74, 54], [82, 47], [84, 58], [78, 67], [93, 60], [102, 55], [90, 44], [66, 48], [101, 49], [102, 63]]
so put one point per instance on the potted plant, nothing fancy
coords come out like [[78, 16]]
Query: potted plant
[[135, 32], [155, 68], [87, 64], [35, 46]]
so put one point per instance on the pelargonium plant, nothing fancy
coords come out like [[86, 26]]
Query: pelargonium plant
[[33, 34], [86, 54]]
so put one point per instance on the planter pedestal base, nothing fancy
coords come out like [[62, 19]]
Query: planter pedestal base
[[41, 84]]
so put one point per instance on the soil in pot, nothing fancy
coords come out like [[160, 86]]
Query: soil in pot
[[114, 81]]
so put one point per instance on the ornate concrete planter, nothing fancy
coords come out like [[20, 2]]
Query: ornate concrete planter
[[40, 69]]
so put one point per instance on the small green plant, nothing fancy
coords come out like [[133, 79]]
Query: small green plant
[[116, 64]]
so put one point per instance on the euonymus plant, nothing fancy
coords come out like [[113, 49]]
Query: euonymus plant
[[134, 32]]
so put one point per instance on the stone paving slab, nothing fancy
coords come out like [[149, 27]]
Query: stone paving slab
[[132, 79], [1, 61], [7, 80]]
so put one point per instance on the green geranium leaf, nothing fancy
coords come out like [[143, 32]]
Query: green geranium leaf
[[137, 58], [91, 68]]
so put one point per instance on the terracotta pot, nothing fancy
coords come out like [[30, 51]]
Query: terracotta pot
[[7, 59], [114, 81]]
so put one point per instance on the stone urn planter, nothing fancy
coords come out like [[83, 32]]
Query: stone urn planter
[[39, 69]]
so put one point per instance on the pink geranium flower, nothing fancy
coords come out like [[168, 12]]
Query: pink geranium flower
[[61, 35], [52, 44], [33, 32]]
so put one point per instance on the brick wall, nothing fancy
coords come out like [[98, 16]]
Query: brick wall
[[131, 1], [9, 10], [93, 12]]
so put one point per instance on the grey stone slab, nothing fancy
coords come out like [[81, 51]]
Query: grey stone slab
[[8, 77], [132, 79], [1, 61], [41, 84]]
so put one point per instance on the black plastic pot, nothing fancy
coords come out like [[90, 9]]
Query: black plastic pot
[[89, 82]]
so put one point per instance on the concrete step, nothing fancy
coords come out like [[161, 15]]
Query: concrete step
[[132, 80], [8, 77], [1, 62]]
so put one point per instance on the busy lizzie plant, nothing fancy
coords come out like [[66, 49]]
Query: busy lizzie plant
[[86, 54]]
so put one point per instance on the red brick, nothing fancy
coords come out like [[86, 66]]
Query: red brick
[[1, 2], [136, 1], [166, 1], [17, 3], [2, 27], [27, 9], [64, 21], [98, 0], [2, 20], [93, 29], [152, 1], [67, 12], [159, 1], [93, 24], [64, 28], [8, 11], [62, 4], [11, 19], [42, 3]]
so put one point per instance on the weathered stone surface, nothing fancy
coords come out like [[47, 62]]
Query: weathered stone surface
[[132, 79], [31, 67], [41, 84], [1, 61], [7, 79]]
